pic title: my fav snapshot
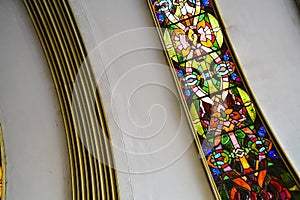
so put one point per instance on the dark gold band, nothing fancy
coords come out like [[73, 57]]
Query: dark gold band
[[91, 159]]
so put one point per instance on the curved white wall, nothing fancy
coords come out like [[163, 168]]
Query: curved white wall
[[35, 143]]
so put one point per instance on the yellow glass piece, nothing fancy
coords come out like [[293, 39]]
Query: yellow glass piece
[[196, 121], [217, 30], [244, 162], [169, 46], [248, 103], [294, 188]]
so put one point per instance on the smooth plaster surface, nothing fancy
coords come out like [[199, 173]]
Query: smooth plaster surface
[[34, 138]]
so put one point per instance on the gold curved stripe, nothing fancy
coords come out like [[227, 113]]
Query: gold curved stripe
[[91, 159], [2, 168]]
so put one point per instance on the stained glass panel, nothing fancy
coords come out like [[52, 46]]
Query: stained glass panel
[[242, 158], [2, 168]]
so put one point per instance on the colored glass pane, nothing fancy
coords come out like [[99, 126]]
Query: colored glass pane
[[241, 153], [2, 168]]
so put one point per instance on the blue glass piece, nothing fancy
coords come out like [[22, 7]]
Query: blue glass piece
[[205, 2], [273, 154], [262, 132], [216, 173], [180, 73], [206, 149], [233, 76], [187, 92]]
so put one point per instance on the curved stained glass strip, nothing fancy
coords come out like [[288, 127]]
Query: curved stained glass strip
[[241, 156], [2, 168]]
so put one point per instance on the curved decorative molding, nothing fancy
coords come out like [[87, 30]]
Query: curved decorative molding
[[2, 168], [91, 158], [240, 153]]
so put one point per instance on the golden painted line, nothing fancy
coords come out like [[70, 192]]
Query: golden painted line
[[109, 155], [62, 99], [86, 125], [111, 175], [95, 139], [97, 148], [55, 49], [58, 84], [75, 62], [65, 52], [3, 166], [97, 101]]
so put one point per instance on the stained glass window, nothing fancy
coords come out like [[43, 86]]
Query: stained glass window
[[242, 158], [2, 168]]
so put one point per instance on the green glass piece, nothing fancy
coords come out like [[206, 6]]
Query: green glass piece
[[225, 139], [296, 195], [287, 179], [256, 189], [201, 17], [240, 134], [252, 127], [224, 193]]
